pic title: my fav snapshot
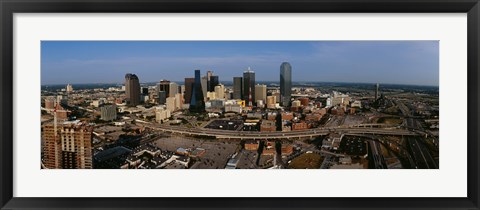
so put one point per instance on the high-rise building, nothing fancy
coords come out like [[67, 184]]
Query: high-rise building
[[197, 103], [69, 88], [67, 146], [220, 91], [237, 88], [164, 85], [132, 89], [213, 82], [173, 89], [171, 104], [145, 91], [188, 89], [261, 92], [249, 86], [209, 76], [285, 83], [178, 101], [50, 102], [162, 97], [377, 86], [271, 102], [204, 86]]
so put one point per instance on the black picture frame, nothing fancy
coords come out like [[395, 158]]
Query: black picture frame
[[9, 7]]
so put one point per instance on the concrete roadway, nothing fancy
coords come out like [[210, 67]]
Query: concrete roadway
[[310, 133]]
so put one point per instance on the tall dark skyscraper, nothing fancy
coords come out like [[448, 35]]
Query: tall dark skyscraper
[[249, 87], [196, 103], [377, 86], [212, 83], [188, 89], [285, 83], [237, 88], [132, 89]]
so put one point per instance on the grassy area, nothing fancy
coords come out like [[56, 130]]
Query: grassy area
[[306, 161]]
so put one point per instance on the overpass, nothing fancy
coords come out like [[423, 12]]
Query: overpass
[[277, 135]]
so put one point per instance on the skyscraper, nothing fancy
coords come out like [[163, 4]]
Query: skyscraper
[[197, 103], [132, 89], [220, 91], [261, 93], [188, 89], [285, 83], [204, 85], [162, 97], [164, 85], [237, 88], [209, 75], [145, 91], [249, 86], [213, 82], [173, 89], [377, 86], [69, 88], [68, 147]]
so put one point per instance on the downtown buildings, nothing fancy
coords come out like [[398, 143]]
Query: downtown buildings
[[197, 103], [67, 146], [249, 86], [132, 90], [285, 83]]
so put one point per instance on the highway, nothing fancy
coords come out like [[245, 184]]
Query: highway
[[255, 135], [377, 156], [422, 157]]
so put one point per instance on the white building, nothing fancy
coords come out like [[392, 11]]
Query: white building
[[170, 104], [162, 114], [178, 101], [69, 88], [233, 108]]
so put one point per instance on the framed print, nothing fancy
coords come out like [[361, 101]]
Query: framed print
[[239, 105]]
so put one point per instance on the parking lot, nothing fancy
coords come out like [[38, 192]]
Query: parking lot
[[353, 145], [215, 157], [225, 124], [247, 159]]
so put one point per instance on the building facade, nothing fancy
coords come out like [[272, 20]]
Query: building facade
[[188, 89], [249, 87], [237, 88], [69, 146], [285, 83], [108, 112], [132, 90], [197, 103], [261, 92]]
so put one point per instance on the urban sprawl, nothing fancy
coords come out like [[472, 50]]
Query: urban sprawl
[[202, 123]]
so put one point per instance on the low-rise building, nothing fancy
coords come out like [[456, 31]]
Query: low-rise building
[[268, 126], [299, 126], [251, 145]]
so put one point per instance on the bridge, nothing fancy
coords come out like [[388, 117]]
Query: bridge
[[277, 135]]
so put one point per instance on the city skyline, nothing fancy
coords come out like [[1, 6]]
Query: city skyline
[[385, 62]]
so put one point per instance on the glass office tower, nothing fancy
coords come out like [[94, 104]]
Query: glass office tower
[[285, 83]]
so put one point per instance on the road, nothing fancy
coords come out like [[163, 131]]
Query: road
[[377, 156], [421, 156]]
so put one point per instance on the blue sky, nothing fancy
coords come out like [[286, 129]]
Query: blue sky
[[392, 62]]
